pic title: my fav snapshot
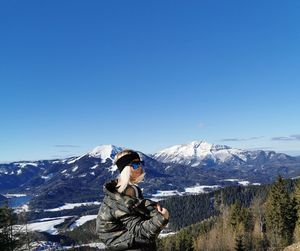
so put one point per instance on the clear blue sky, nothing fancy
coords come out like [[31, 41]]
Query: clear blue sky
[[147, 75]]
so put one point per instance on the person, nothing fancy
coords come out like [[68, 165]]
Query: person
[[127, 221]]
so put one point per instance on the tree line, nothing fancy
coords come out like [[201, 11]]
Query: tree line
[[261, 219]]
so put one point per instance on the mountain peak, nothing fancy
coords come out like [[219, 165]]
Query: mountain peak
[[194, 152], [201, 143], [191, 147], [105, 152], [205, 145]]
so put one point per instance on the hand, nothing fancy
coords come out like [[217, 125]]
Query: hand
[[163, 211]]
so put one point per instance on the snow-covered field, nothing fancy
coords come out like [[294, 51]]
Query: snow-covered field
[[46, 224], [48, 245], [94, 245], [72, 205], [162, 235], [242, 182], [231, 180], [82, 220], [12, 195], [166, 193], [200, 189], [197, 189]]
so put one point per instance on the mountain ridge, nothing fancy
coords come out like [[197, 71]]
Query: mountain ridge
[[80, 178]]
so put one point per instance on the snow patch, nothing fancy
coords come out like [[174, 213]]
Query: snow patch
[[74, 169], [94, 167], [98, 245], [72, 205], [244, 183], [200, 189], [112, 168], [232, 180], [2, 170], [166, 193], [24, 164], [74, 160], [196, 164], [46, 225], [82, 220], [162, 235], [241, 182], [47, 177], [56, 161], [167, 167], [12, 195], [188, 190]]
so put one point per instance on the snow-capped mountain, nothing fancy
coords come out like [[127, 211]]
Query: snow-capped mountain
[[105, 152], [201, 153], [197, 153], [177, 168], [29, 174]]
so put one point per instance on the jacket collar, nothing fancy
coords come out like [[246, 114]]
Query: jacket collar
[[122, 201]]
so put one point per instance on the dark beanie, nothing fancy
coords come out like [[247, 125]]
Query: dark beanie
[[125, 157]]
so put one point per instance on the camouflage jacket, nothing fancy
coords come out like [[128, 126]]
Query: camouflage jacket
[[124, 222]]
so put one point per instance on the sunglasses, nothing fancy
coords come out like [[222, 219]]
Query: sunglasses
[[136, 164]]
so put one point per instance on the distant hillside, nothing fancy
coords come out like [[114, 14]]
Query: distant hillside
[[187, 210], [2, 198], [246, 219], [191, 168]]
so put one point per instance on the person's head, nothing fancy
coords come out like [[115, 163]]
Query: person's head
[[131, 170]]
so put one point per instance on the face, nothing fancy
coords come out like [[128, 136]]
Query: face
[[135, 173]]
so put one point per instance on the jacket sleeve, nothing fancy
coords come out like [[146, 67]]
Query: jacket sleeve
[[144, 229], [150, 205]]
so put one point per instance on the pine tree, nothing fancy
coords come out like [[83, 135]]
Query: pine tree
[[14, 234], [7, 220], [296, 196], [281, 215], [235, 215], [239, 244]]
